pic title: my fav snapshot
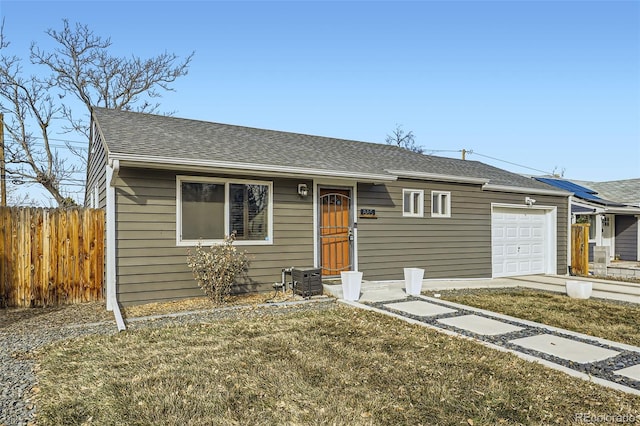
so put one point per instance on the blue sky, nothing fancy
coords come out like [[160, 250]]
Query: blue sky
[[549, 85]]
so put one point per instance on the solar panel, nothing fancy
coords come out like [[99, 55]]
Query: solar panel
[[579, 190]]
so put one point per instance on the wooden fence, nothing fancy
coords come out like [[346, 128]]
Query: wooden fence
[[580, 249], [50, 256]]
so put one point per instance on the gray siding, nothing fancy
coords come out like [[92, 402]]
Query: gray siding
[[627, 237], [96, 171], [455, 247], [150, 267]]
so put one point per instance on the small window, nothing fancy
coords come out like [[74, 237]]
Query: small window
[[412, 202], [440, 204], [592, 227]]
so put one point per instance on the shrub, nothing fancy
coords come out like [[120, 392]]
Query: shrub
[[215, 269]]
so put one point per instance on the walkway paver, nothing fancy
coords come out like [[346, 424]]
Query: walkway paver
[[480, 325], [632, 372], [568, 349], [608, 363], [420, 308]]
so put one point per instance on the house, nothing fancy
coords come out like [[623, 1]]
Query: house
[[613, 211], [306, 201]]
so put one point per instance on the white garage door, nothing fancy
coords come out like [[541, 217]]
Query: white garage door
[[519, 241]]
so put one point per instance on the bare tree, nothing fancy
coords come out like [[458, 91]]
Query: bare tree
[[80, 67], [404, 140]]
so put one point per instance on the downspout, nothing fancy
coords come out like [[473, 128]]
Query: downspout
[[112, 169]]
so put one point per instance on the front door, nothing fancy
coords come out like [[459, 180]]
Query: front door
[[336, 232], [608, 232]]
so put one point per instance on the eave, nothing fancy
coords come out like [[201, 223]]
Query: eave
[[188, 164]]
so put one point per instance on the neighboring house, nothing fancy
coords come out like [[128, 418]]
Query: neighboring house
[[613, 211], [306, 201]]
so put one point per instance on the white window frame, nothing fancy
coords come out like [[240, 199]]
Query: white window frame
[[95, 197], [412, 213], [447, 206], [226, 183]]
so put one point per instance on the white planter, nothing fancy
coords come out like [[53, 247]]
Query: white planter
[[579, 289], [413, 280], [351, 282]]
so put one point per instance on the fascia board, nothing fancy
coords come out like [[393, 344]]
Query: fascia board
[[522, 190], [580, 202], [167, 163], [437, 177]]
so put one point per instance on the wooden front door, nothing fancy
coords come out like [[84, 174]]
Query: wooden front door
[[336, 232]]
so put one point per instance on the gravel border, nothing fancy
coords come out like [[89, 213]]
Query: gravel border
[[17, 346]]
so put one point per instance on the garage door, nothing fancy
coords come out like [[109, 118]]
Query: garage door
[[518, 241]]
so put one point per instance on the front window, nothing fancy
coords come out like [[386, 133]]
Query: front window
[[208, 209], [248, 211], [440, 204], [202, 211]]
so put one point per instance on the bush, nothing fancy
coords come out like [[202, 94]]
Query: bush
[[216, 269]]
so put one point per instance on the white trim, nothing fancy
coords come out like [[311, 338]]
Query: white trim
[[551, 223], [505, 188], [447, 207], [167, 163], [338, 184], [95, 196], [420, 206], [354, 196], [437, 177], [111, 173], [226, 182], [638, 236], [569, 223], [316, 254]]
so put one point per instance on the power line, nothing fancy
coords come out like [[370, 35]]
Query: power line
[[509, 162], [470, 151], [442, 150], [69, 141], [55, 145]]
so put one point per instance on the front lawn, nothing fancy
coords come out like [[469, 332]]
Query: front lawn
[[339, 366]]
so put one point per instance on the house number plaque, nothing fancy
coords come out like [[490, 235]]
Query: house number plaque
[[368, 213]]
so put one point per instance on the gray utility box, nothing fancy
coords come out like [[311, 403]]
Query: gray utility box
[[307, 281]]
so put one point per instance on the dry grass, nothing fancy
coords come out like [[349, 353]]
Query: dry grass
[[204, 303], [340, 366], [13, 319], [617, 321], [20, 319]]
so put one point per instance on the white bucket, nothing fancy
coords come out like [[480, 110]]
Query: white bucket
[[351, 283], [579, 289], [413, 280]]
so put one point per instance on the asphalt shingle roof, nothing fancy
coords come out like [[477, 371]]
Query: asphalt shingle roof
[[166, 137], [625, 191]]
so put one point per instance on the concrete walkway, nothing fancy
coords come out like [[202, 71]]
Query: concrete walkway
[[608, 363]]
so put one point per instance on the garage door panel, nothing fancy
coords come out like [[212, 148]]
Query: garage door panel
[[524, 267], [510, 250], [518, 241]]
